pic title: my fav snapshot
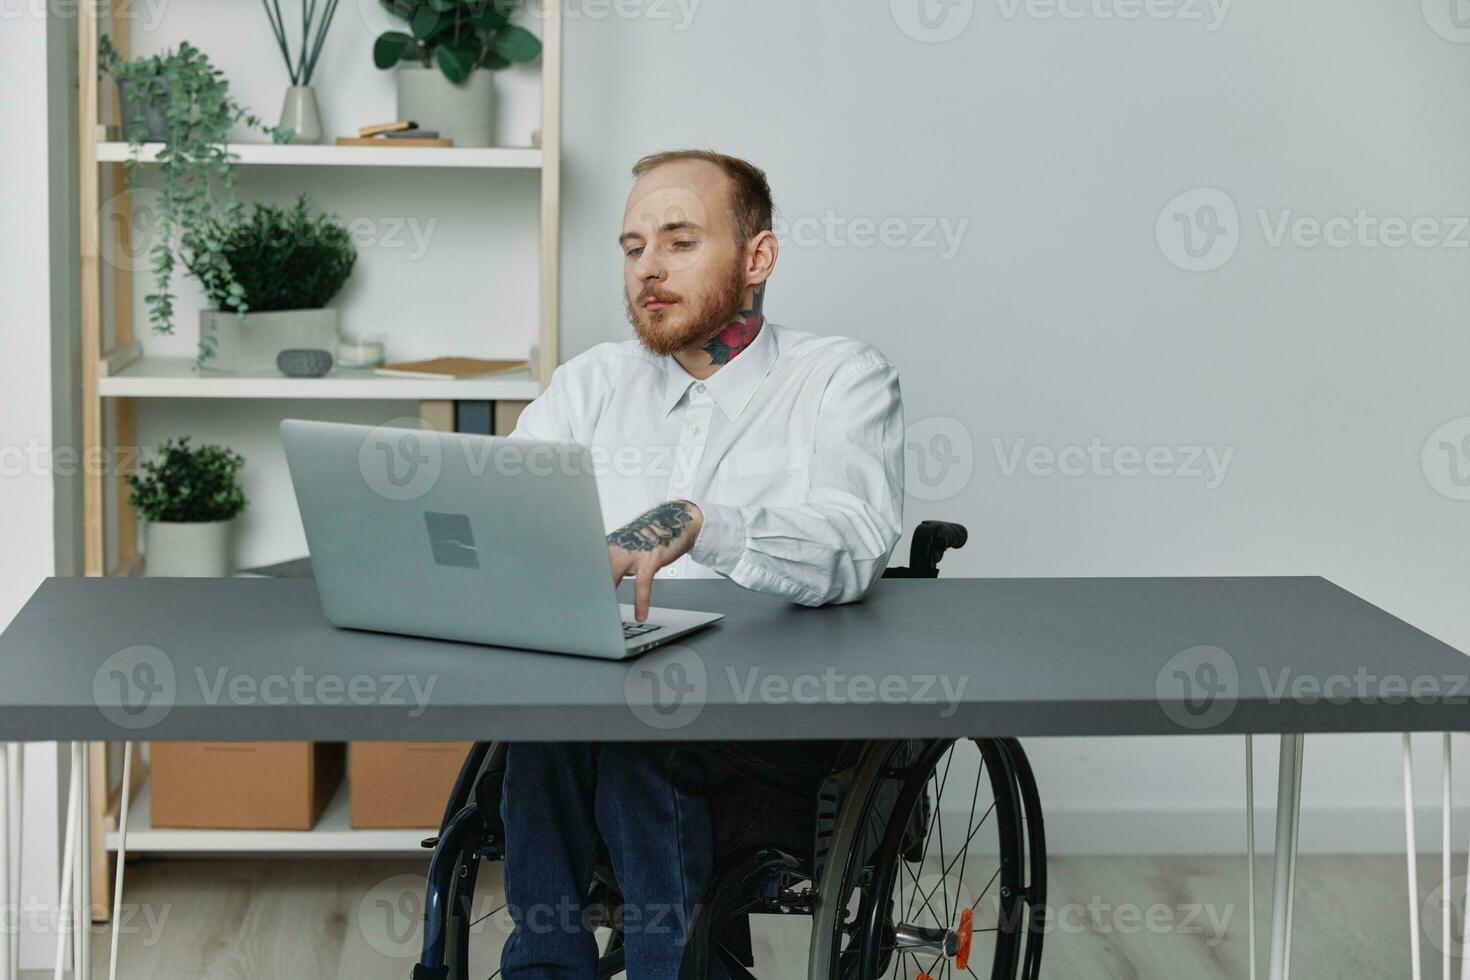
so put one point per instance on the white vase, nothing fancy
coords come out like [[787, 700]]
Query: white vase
[[463, 112], [249, 344], [178, 549], [299, 115]]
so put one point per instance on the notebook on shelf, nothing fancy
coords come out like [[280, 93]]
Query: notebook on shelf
[[450, 368]]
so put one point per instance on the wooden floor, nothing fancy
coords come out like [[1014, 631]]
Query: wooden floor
[[1173, 918]]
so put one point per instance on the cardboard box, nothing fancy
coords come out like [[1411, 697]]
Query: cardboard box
[[242, 785], [402, 784]]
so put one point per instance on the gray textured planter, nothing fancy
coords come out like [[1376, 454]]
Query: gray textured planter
[[249, 344], [187, 550], [130, 105], [464, 113]]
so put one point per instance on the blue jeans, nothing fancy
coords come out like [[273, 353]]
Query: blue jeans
[[647, 802]]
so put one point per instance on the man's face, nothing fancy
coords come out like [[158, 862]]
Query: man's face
[[684, 274]]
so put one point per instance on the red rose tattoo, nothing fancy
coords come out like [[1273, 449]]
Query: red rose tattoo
[[735, 337]]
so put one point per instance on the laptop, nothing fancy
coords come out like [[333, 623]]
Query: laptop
[[464, 537]]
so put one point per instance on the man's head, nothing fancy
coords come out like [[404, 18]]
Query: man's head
[[697, 246]]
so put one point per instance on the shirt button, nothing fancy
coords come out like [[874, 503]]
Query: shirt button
[[699, 388], [695, 429], [673, 573]]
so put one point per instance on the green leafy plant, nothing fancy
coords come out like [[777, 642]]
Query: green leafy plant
[[457, 35], [188, 485], [279, 258], [195, 164]]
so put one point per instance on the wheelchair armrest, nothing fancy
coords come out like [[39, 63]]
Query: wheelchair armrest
[[931, 540]]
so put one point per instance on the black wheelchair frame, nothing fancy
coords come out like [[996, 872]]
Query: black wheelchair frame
[[894, 780]]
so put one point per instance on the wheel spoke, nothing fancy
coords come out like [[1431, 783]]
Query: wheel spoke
[[484, 917]]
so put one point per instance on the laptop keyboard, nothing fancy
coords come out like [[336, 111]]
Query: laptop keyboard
[[631, 630]]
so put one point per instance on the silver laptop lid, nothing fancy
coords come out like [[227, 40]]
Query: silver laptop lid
[[464, 537]]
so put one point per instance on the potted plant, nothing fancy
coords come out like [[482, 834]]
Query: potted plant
[[189, 498], [178, 97], [277, 269], [445, 61]]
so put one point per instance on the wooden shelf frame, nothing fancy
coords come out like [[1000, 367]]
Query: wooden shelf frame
[[112, 381]]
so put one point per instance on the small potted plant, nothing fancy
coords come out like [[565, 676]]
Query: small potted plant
[[277, 269], [189, 498], [445, 61], [179, 98]]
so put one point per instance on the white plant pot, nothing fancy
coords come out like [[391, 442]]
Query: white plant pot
[[199, 549], [249, 344], [464, 113]]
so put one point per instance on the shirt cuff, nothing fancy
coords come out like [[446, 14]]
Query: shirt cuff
[[721, 541]]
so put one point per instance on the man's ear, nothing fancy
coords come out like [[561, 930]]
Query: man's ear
[[761, 253]]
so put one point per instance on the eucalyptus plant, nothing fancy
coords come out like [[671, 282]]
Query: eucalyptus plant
[[198, 189], [460, 36], [280, 258]]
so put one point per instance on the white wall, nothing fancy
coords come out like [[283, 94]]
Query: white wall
[[1054, 144], [37, 383]]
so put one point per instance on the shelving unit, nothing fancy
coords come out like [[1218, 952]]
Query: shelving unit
[[116, 372], [270, 154], [331, 835], [175, 377]]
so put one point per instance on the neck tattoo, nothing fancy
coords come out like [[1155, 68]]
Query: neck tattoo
[[738, 334]]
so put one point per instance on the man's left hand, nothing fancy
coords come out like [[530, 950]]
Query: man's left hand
[[650, 541]]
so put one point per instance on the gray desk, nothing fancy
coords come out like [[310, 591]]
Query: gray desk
[[246, 659], [242, 659]]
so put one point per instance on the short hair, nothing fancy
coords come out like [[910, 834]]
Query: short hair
[[750, 193]]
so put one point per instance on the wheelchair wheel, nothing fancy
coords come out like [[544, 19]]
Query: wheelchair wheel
[[926, 869]]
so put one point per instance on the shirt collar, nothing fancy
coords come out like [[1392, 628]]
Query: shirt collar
[[734, 384]]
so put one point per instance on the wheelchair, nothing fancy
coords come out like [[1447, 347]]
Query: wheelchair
[[891, 891]]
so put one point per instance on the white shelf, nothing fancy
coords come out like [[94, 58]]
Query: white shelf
[[332, 834], [491, 157], [175, 377]]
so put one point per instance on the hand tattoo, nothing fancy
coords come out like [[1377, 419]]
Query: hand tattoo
[[739, 333], [654, 528]]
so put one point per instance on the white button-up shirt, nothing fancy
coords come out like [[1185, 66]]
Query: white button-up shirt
[[793, 451]]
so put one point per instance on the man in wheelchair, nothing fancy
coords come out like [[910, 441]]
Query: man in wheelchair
[[736, 448]]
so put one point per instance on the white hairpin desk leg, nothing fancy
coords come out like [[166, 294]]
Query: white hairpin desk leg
[[122, 854], [1413, 856], [68, 857], [8, 936], [1446, 853], [15, 793], [1250, 849], [1288, 825]]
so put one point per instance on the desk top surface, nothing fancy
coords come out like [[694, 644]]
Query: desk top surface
[[247, 659]]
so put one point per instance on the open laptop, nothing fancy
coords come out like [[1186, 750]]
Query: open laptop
[[463, 537]]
